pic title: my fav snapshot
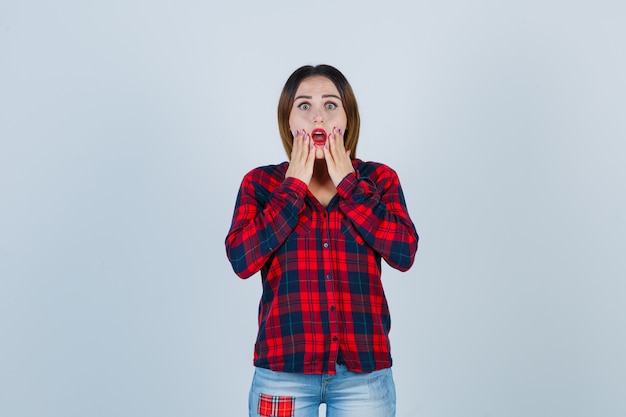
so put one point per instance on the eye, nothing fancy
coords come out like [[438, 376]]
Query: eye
[[304, 106], [331, 106]]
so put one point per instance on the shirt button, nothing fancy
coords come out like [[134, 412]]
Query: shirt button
[[329, 276], [326, 244], [335, 338], [332, 308]]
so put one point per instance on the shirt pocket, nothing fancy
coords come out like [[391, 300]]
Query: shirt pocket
[[304, 227], [350, 234]]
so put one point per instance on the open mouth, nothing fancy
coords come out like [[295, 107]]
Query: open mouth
[[319, 136]]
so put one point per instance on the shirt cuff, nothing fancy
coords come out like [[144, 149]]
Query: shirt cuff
[[296, 185], [348, 185]]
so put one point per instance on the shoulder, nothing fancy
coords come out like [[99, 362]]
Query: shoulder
[[267, 175], [374, 170], [267, 172]]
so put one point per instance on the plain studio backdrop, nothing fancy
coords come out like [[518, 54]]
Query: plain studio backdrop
[[127, 126]]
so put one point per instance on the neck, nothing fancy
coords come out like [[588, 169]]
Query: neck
[[320, 172]]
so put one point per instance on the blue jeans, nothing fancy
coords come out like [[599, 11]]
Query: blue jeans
[[346, 394]]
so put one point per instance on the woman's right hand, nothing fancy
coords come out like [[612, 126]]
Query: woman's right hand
[[302, 158]]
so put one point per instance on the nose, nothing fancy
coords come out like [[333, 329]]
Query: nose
[[318, 117]]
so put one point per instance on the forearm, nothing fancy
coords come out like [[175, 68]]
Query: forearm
[[258, 230], [381, 218]]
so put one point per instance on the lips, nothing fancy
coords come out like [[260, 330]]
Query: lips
[[319, 136]]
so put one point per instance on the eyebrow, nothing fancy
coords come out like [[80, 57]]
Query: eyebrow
[[324, 96]]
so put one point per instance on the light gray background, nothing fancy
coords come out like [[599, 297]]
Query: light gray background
[[126, 127]]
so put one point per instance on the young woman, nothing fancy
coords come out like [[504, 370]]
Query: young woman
[[317, 227]]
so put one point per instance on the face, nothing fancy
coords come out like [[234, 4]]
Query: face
[[317, 109]]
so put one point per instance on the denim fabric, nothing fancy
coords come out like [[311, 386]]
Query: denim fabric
[[346, 394]]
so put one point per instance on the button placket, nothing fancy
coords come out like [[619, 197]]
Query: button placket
[[329, 223]]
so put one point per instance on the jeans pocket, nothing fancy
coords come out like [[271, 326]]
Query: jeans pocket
[[381, 386]]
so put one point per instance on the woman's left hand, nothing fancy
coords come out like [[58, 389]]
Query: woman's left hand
[[337, 157]]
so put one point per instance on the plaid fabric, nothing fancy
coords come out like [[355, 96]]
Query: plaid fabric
[[276, 406], [320, 267]]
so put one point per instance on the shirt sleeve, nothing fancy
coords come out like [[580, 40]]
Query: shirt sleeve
[[262, 221], [377, 210]]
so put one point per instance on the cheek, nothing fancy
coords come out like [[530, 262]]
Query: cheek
[[343, 121], [294, 124]]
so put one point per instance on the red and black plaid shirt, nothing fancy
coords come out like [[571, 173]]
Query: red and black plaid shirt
[[320, 266]]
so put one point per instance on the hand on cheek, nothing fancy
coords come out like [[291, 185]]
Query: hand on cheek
[[337, 157], [302, 157]]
